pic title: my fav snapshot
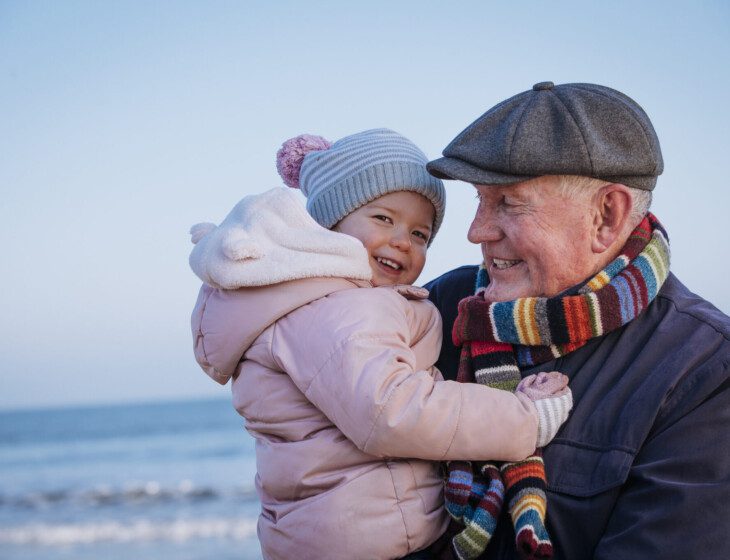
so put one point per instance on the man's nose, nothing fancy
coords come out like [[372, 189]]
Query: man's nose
[[484, 228]]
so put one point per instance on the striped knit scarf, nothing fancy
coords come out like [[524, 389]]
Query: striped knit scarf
[[498, 338]]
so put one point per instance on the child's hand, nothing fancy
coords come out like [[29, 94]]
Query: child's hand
[[411, 292], [553, 399], [543, 385]]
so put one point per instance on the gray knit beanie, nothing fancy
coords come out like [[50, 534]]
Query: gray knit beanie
[[341, 177]]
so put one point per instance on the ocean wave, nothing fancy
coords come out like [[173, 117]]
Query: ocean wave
[[180, 530], [148, 493]]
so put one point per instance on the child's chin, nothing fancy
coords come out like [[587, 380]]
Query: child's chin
[[379, 281]]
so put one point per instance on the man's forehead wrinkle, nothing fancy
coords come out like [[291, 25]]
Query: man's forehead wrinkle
[[527, 190], [489, 191]]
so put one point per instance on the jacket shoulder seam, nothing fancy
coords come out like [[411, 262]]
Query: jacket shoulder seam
[[334, 351], [387, 398], [694, 316], [337, 349], [686, 388]]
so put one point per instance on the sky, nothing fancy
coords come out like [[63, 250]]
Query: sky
[[124, 123]]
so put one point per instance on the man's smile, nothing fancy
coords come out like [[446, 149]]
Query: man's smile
[[502, 264]]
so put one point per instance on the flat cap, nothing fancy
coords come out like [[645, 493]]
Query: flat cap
[[568, 129]]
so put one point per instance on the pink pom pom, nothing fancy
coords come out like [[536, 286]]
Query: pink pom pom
[[290, 156]]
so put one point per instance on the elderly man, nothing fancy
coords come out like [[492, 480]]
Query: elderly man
[[575, 278]]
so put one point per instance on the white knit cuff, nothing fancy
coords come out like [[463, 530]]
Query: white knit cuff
[[552, 412]]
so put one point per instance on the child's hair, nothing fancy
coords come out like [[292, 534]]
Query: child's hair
[[341, 177]]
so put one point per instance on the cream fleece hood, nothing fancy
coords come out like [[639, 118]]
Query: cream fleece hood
[[270, 238]]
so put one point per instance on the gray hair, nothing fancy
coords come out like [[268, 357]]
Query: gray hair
[[575, 186]]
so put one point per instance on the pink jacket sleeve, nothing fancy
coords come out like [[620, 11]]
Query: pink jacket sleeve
[[352, 354]]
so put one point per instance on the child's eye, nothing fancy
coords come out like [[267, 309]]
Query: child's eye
[[383, 218], [421, 235]]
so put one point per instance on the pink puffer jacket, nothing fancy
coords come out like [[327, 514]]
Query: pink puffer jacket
[[335, 382]]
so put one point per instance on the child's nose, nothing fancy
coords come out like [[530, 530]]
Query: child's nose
[[401, 240]]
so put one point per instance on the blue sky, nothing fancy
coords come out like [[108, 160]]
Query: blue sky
[[126, 122]]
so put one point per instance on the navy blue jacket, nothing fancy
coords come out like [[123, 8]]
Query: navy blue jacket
[[641, 469]]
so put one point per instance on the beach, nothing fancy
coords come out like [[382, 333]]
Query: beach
[[157, 480]]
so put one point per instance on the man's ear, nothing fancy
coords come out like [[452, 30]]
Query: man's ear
[[611, 219]]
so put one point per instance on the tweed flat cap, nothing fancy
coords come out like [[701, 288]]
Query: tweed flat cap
[[568, 129]]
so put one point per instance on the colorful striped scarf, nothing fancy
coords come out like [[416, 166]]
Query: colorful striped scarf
[[498, 338]]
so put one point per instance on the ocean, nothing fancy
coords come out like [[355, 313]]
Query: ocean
[[162, 481]]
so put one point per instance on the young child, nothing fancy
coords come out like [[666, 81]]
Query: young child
[[331, 352]]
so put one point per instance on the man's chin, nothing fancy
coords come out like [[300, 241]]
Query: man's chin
[[499, 292]]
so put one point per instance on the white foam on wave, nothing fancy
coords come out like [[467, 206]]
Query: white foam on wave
[[180, 530], [135, 493]]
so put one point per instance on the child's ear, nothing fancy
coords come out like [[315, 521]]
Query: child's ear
[[612, 215]]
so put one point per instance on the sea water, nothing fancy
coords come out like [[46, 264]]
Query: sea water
[[162, 481]]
